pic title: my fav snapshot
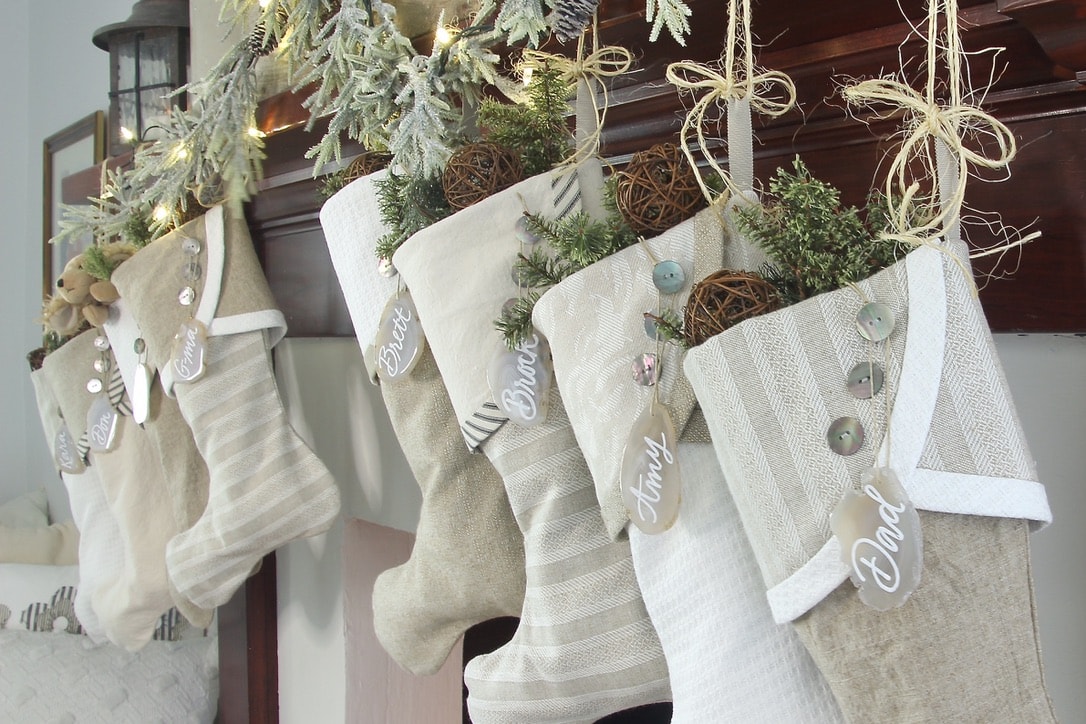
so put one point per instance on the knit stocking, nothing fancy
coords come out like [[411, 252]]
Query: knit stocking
[[467, 564], [963, 646], [267, 487]]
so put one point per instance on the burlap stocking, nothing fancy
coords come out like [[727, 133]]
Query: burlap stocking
[[585, 646], [128, 605], [267, 487], [963, 647], [467, 564], [727, 659]]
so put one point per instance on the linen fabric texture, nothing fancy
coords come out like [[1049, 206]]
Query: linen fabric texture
[[467, 562], [585, 646], [771, 386], [726, 657], [267, 487]]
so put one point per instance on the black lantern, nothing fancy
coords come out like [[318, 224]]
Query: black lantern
[[148, 60]]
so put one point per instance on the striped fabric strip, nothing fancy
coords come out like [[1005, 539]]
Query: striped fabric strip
[[118, 397], [267, 487]]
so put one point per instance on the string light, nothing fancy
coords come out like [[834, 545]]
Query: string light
[[126, 135], [255, 132], [443, 35], [161, 213]]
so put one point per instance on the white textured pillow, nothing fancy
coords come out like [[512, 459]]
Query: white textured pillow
[[54, 545], [35, 597], [58, 678], [29, 510]]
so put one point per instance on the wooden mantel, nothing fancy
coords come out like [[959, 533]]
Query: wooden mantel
[[1038, 94]]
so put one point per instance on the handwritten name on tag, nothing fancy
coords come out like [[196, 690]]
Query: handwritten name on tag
[[881, 540], [189, 352], [101, 424], [65, 453], [400, 340], [520, 381], [651, 483]]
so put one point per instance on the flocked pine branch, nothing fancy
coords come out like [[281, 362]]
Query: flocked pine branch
[[118, 213], [214, 151], [520, 19], [670, 14]]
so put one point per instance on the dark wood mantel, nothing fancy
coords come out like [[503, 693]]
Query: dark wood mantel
[[1038, 94]]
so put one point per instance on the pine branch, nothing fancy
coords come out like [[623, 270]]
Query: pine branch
[[515, 323], [672, 14], [407, 204], [539, 270], [815, 244], [520, 19]]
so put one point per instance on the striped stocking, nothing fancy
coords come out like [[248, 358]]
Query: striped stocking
[[267, 486]]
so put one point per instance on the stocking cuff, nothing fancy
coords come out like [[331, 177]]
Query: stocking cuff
[[771, 386], [459, 272]]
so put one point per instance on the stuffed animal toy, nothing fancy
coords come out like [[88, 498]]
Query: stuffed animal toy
[[84, 290]]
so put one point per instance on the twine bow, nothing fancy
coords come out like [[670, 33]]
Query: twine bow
[[733, 78]]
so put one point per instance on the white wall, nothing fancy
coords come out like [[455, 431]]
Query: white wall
[[53, 76]]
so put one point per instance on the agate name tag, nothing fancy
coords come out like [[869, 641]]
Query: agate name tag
[[881, 540], [400, 341], [66, 454], [101, 424], [189, 351], [651, 482], [520, 381]]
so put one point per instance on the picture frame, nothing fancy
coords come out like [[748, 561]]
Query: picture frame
[[74, 148]]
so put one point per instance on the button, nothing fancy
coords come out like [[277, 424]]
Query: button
[[646, 370], [191, 271], [524, 234], [865, 380], [139, 346], [186, 296], [845, 436], [385, 268], [94, 385], [875, 321], [190, 246], [101, 343], [652, 330], [102, 365], [668, 276]]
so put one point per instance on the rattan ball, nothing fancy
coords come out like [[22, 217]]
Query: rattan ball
[[723, 299], [479, 170], [658, 189], [365, 164]]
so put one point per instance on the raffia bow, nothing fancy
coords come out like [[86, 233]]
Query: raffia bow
[[951, 124], [720, 86]]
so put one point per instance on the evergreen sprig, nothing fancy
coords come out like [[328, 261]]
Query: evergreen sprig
[[537, 127], [815, 243], [407, 204], [574, 242]]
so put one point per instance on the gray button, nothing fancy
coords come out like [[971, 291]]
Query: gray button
[[875, 321], [668, 276], [865, 380], [845, 436]]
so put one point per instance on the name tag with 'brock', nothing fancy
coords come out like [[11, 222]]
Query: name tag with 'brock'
[[881, 541], [520, 381]]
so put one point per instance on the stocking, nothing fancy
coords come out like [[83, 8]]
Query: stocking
[[727, 659], [129, 604], [467, 564], [585, 646], [267, 487], [963, 646], [101, 550]]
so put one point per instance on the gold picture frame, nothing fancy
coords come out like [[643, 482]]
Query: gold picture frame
[[75, 148]]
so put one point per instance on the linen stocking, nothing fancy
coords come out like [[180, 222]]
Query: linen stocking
[[467, 564], [267, 487]]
